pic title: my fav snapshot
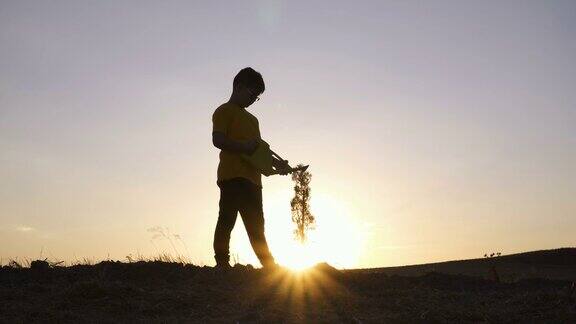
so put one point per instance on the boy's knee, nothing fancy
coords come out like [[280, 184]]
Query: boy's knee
[[255, 221]]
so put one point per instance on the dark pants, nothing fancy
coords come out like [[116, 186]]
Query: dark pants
[[240, 195]]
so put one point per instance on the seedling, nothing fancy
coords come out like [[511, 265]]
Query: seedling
[[301, 214]]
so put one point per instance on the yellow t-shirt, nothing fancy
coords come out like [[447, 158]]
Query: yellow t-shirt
[[238, 125]]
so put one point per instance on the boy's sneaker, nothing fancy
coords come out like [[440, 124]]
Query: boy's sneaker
[[222, 267]]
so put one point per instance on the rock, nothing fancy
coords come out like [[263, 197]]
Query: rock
[[39, 265]]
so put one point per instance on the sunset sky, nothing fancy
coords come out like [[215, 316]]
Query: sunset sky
[[434, 130]]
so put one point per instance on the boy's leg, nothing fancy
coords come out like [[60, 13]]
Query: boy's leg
[[253, 218], [229, 198]]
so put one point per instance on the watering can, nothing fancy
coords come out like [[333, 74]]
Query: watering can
[[262, 158]]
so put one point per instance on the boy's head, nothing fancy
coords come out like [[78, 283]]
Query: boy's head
[[248, 85]]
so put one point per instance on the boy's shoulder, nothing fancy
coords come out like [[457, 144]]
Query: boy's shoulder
[[227, 106], [226, 110]]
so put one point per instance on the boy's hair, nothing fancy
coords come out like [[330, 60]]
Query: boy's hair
[[250, 78]]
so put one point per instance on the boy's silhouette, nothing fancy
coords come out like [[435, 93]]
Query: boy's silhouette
[[235, 131]]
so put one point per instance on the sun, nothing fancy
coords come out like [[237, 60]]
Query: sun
[[296, 256], [336, 239]]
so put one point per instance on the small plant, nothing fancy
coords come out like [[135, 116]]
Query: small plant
[[87, 261], [163, 233], [55, 263], [235, 258], [301, 214], [14, 264], [492, 261]]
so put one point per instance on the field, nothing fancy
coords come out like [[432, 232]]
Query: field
[[535, 286]]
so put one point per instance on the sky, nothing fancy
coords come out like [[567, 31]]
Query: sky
[[433, 130]]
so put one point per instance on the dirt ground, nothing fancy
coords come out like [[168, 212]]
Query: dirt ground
[[173, 292]]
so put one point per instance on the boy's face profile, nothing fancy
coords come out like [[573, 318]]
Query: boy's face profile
[[246, 95]]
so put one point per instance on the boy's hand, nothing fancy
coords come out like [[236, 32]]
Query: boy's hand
[[251, 146], [285, 170], [282, 166]]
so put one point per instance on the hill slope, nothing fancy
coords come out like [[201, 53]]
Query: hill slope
[[550, 264], [167, 292]]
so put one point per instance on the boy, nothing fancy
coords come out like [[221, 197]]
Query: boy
[[235, 131]]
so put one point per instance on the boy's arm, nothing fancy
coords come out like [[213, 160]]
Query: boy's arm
[[221, 141]]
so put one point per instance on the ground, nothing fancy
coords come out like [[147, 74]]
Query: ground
[[173, 292]]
